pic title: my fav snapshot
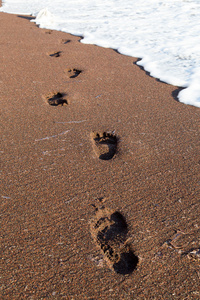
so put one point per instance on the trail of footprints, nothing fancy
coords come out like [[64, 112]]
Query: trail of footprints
[[108, 228], [58, 98]]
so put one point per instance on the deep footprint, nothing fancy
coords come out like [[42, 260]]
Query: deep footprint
[[73, 73], [105, 145], [109, 230], [57, 99]]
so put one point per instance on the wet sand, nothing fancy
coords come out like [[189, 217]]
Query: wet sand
[[100, 173]]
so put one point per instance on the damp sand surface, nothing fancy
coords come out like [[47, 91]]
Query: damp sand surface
[[100, 173]]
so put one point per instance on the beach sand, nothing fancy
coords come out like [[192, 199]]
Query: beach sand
[[100, 195]]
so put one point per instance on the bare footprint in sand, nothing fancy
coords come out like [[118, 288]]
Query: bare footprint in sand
[[48, 31], [109, 230], [73, 73], [65, 41], [55, 54], [105, 144], [56, 99]]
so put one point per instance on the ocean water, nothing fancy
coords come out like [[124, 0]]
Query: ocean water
[[164, 34]]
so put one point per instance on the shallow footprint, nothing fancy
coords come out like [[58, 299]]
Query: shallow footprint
[[56, 99], [105, 144], [48, 31], [109, 230], [65, 41]]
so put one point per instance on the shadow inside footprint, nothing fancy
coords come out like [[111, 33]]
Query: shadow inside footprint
[[106, 145], [111, 231], [73, 73], [57, 99], [127, 263], [117, 227]]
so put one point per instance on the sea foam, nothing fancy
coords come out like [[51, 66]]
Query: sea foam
[[163, 34]]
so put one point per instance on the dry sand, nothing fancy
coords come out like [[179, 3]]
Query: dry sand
[[116, 167]]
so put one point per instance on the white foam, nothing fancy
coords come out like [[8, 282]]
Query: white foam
[[45, 19], [163, 33]]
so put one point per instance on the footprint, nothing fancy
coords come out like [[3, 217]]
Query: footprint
[[65, 41], [48, 31], [73, 73], [109, 230], [56, 54], [56, 99], [105, 144]]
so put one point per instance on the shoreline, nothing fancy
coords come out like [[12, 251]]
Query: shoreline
[[164, 65], [183, 96], [55, 171]]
